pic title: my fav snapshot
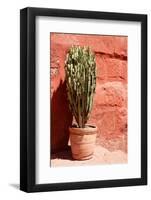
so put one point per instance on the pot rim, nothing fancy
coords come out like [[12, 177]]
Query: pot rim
[[89, 129]]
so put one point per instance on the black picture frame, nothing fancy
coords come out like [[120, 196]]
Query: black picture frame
[[28, 98]]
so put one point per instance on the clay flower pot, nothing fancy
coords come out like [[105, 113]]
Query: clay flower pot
[[83, 142]]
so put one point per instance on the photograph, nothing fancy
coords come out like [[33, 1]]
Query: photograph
[[83, 99], [74, 83], [88, 99]]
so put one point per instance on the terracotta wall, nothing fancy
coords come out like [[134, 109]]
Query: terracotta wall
[[110, 101]]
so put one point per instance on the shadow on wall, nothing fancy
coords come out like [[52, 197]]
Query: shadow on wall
[[61, 119]]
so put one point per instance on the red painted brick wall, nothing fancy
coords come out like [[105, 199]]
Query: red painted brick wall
[[109, 111]]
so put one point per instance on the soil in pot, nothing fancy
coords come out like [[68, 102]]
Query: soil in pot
[[83, 142]]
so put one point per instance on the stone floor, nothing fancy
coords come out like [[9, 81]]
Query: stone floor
[[101, 156]]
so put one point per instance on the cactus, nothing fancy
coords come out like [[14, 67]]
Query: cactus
[[80, 71]]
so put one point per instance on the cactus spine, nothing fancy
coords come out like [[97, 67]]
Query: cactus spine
[[80, 70]]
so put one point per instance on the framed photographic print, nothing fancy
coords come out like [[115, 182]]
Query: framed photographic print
[[83, 99]]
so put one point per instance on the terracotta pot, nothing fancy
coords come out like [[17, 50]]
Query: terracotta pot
[[83, 142]]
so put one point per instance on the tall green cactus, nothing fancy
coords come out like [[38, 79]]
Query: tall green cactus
[[80, 70]]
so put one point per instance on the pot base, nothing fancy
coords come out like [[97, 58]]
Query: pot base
[[77, 157]]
